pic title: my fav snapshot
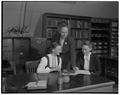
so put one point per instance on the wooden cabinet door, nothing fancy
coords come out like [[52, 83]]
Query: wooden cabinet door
[[21, 49]]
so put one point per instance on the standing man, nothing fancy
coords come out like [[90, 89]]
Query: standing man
[[68, 54]]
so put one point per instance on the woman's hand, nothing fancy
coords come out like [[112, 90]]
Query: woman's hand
[[55, 68]]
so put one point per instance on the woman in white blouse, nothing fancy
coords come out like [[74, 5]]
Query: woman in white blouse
[[51, 62]]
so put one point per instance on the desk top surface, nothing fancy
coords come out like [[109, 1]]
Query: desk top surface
[[17, 82]]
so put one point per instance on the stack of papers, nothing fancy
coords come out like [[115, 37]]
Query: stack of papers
[[37, 85], [69, 74], [85, 72]]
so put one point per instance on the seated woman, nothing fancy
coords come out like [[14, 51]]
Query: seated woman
[[87, 61], [51, 62]]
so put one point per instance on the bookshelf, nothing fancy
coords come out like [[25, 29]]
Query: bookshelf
[[102, 32], [80, 30], [100, 35], [114, 39], [79, 26]]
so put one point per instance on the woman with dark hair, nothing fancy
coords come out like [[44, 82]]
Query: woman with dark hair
[[68, 53], [51, 62]]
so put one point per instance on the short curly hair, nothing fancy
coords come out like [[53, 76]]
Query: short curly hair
[[88, 43], [53, 46], [62, 24]]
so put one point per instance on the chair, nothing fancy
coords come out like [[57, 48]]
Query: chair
[[8, 67], [31, 66]]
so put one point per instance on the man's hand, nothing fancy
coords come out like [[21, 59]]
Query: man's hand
[[75, 68]]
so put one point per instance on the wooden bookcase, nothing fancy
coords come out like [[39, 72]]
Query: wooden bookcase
[[79, 26], [97, 30]]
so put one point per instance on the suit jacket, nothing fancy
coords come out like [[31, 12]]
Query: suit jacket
[[68, 54], [94, 66]]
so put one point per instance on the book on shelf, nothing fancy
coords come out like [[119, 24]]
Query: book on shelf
[[99, 20], [73, 23], [78, 44], [85, 34], [76, 33], [79, 24], [50, 33], [51, 22], [76, 24], [114, 29], [114, 24], [86, 24]]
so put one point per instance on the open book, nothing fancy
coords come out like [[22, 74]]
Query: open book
[[42, 84]]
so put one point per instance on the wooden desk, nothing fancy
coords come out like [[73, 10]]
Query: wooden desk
[[78, 83]]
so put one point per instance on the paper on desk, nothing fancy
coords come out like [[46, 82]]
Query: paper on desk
[[82, 72], [37, 85], [69, 74]]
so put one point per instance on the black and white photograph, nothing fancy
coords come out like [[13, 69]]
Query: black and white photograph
[[59, 47]]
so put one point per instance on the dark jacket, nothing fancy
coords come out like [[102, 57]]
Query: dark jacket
[[68, 54], [94, 68]]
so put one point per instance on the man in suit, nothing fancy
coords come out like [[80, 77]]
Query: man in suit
[[88, 61], [68, 54]]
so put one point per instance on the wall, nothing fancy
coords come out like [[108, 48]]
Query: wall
[[13, 12]]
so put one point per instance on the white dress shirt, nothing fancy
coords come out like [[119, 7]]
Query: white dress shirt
[[87, 61], [52, 63]]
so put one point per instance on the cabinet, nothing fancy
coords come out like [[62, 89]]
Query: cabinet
[[100, 35], [16, 50]]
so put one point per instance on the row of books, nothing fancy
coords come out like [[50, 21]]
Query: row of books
[[114, 33], [98, 27], [98, 20], [78, 44], [53, 22], [114, 24], [101, 51], [79, 24], [114, 29], [114, 51], [50, 32], [114, 44], [100, 39], [115, 36], [99, 32], [114, 40], [100, 47], [80, 33], [99, 35], [100, 43]]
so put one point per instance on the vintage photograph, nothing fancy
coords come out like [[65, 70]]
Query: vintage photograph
[[59, 47]]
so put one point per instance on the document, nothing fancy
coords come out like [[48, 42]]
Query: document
[[69, 74], [82, 72], [42, 84]]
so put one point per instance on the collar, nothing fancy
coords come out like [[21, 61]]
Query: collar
[[88, 54]]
